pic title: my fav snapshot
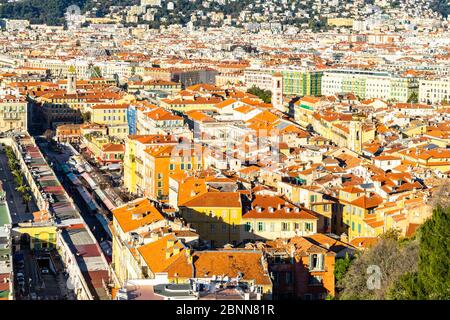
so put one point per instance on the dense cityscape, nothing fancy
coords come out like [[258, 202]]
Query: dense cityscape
[[224, 150]]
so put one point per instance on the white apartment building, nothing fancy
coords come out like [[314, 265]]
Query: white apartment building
[[108, 69], [13, 113], [261, 78], [369, 84], [434, 90], [60, 68]]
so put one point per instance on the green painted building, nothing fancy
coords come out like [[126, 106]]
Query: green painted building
[[301, 82]]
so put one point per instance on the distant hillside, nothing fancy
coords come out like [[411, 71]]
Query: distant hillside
[[52, 12]]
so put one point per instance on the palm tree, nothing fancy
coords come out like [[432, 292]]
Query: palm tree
[[16, 173], [18, 178], [27, 198], [18, 181], [11, 163], [23, 189]]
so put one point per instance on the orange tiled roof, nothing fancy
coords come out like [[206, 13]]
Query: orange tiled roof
[[136, 214], [169, 255], [230, 263], [216, 200]]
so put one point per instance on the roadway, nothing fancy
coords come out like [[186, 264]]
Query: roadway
[[93, 223], [15, 203], [48, 286]]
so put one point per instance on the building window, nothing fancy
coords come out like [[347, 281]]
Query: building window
[[285, 226], [316, 262], [309, 226], [307, 296], [248, 226], [171, 167], [288, 277], [261, 226]]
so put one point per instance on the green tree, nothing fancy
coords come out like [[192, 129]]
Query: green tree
[[27, 198], [341, 266], [86, 116], [23, 189], [413, 98], [407, 287], [96, 72], [265, 95], [434, 255], [391, 257], [17, 174]]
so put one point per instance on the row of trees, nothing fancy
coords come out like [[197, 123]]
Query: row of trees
[[407, 269], [19, 182]]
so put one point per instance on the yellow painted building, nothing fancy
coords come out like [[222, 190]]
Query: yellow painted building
[[135, 146], [344, 130], [434, 159], [137, 216], [13, 113], [359, 213], [217, 217], [109, 114], [340, 22], [161, 162], [41, 237], [272, 217], [310, 198], [196, 103]]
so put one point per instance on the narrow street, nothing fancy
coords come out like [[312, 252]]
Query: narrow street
[[15, 203], [93, 223], [44, 280]]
